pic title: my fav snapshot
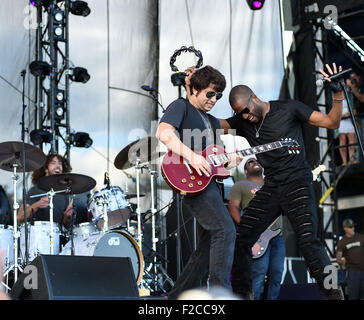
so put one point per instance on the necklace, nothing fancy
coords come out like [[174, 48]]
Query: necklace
[[257, 131]]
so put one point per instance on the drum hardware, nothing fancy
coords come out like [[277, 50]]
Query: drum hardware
[[19, 157], [74, 184], [50, 195], [109, 208]]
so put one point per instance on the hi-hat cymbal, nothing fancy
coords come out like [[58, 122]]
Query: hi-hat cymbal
[[11, 153], [145, 149], [77, 183], [133, 195]]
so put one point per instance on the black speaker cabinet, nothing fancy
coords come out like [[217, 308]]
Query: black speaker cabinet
[[60, 277]]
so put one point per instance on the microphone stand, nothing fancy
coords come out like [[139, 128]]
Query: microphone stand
[[357, 133]]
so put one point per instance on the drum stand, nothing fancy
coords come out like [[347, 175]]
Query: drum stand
[[16, 233], [105, 204]]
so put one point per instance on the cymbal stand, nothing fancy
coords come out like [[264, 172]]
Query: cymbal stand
[[138, 168], [153, 210], [16, 233]]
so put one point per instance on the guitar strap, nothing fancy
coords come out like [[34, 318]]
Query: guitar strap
[[205, 119]]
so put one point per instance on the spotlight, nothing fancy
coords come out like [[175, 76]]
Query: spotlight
[[40, 68], [80, 75], [80, 8], [255, 4], [81, 140], [40, 136], [45, 3]]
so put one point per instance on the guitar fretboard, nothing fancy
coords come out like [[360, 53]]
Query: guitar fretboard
[[219, 159]]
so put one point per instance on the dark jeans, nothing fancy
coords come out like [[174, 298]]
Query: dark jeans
[[355, 282], [271, 265], [215, 244], [296, 200]]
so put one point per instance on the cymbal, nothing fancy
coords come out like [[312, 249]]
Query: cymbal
[[77, 183], [133, 195], [11, 153], [144, 149]]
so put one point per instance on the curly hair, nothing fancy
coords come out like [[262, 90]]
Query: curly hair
[[37, 174], [203, 77]]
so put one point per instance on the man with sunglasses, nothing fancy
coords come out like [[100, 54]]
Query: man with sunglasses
[[272, 262], [288, 187], [350, 253], [184, 128]]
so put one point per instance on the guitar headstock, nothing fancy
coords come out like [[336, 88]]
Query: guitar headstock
[[317, 171], [291, 145]]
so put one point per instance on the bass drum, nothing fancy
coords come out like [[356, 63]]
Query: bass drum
[[110, 244]]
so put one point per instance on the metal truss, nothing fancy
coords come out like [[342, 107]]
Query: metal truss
[[52, 91]]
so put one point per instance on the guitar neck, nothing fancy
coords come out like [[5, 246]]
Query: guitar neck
[[221, 158]]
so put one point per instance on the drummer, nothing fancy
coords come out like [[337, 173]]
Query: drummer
[[63, 208]]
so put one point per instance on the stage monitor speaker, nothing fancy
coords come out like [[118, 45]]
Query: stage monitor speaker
[[59, 277], [308, 291]]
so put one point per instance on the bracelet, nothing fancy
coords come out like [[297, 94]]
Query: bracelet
[[338, 100]]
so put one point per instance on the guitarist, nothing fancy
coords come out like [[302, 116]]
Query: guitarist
[[184, 128], [272, 262], [288, 186]]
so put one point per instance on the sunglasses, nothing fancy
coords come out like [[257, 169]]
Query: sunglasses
[[246, 109], [251, 161], [211, 94]]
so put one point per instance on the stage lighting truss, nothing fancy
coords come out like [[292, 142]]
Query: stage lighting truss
[[255, 4], [54, 71]]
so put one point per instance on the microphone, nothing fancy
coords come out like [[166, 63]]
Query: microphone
[[23, 72], [148, 88], [336, 76]]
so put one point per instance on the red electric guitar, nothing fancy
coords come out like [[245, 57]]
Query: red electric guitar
[[184, 179]]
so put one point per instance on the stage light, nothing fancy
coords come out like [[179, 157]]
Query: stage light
[[80, 8], [81, 140], [45, 3], [40, 68], [80, 75], [255, 4], [40, 136]]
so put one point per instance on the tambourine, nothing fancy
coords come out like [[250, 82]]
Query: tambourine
[[185, 49]]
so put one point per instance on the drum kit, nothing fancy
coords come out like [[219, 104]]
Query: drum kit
[[108, 234]]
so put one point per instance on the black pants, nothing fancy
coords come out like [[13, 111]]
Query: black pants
[[296, 200], [215, 243]]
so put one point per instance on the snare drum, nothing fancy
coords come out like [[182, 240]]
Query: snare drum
[[110, 244], [7, 245], [39, 239], [118, 209]]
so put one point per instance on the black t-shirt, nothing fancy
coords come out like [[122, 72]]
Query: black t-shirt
[[193, 126], [283, 120], [60, 203]]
